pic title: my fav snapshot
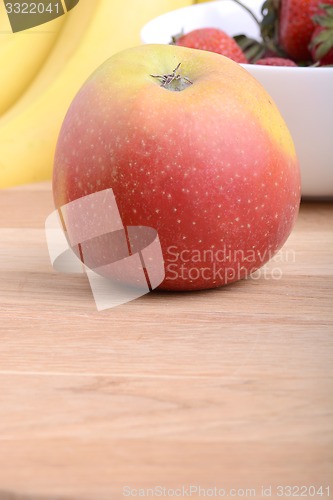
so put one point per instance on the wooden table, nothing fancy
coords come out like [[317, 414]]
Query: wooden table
[[229, 388]]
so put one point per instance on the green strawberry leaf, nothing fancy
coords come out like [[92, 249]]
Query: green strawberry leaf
[[175, 38], [323, 49], [252, 49]]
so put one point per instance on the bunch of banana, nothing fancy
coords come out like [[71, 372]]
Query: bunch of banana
[[44, 68], [22, 55]]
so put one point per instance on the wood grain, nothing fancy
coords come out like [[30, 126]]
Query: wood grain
[[229, 388]]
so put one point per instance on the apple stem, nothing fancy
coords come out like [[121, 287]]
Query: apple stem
[[174, 81]]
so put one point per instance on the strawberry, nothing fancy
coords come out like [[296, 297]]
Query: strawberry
[[315, 6], [287, 27], [321, 45], [276, 61], [295, 28], [213, 40]]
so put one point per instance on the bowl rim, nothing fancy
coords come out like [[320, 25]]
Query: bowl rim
[[263, 67]]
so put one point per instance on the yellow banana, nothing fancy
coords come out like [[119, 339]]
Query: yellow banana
[[5, 28], [77, 21], [27, 142], [21, 56]]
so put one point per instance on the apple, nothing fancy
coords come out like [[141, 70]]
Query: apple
[[192, 146]]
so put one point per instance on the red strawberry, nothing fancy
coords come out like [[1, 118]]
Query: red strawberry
[[286, 28], [321, 45], [295, 28], [315, 6], [276, 61], [213, 40]]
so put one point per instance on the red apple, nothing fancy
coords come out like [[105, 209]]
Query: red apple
[[192, 146]]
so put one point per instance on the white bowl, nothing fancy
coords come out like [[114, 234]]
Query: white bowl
[[303, 95]]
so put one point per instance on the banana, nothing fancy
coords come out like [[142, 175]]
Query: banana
[[21, 56], [28, 140], [5, 27], [77, 21]]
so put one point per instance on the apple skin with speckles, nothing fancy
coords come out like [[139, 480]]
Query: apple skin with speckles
[[200, 153]]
